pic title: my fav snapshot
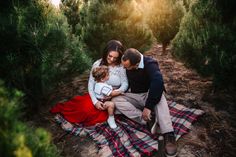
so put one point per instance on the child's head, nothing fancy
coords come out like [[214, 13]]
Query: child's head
[[101, 73]]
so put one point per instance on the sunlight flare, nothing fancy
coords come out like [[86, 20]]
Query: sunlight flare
[[56, 3]]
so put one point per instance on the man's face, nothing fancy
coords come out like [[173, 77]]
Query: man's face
[[127, 65]]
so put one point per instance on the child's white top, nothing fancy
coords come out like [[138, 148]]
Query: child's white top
[[102, 89], [117, 79]]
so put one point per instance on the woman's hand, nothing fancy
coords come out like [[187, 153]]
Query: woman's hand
[[99, 105]]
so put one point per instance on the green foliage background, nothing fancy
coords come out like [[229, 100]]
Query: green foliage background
[[207, 42], [37, 48], [164, 19], [102, 21], [42, 47], [16, 138]]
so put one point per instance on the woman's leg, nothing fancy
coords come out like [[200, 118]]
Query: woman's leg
[[80, 109]]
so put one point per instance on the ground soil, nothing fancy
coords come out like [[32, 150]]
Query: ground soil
[[213, 135]]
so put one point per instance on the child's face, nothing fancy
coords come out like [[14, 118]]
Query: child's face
[[106, 77]]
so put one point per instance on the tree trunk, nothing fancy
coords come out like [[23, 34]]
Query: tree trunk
[[164, 46]]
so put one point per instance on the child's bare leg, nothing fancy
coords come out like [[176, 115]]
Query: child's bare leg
[[110, 106]]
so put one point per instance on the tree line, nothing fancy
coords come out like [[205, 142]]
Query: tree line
[[42, 47]]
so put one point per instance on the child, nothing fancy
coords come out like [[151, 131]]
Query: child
[[103, 90]]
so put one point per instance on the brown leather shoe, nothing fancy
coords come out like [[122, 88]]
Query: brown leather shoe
[[170, 144]]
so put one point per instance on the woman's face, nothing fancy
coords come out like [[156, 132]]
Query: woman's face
[[112, 57]]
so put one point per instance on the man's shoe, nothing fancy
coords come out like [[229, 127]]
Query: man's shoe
[[170, 144]]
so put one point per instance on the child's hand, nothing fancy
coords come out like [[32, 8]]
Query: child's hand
[[99, 105], [107, 98]]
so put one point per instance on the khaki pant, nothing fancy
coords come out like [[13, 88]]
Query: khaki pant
[[132, 104]]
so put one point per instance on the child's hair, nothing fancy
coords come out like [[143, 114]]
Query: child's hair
[[100, 72]]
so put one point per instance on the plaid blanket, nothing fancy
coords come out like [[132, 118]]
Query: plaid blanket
[[130, 139], [182, 118]]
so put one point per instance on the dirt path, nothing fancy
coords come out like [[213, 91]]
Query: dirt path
[[213, 135]]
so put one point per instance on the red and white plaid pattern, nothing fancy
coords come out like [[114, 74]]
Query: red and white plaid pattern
[[131, 139]]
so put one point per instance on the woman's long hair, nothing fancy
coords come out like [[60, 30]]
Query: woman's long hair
[[112, 45]]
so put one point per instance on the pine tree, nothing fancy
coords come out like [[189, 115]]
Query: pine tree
[[164, 19], [187, 4], [37, 50], [207, 42], [121, 20], [16, 138], [71, 9]]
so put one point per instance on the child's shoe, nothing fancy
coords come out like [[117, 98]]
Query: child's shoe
[[111, 122]]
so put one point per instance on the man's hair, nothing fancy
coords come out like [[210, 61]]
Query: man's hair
[[100, 72], [132, 55]]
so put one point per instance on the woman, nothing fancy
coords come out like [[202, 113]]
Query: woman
[[86, 109]]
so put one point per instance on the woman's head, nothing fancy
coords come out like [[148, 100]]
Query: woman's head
[[112, 53]]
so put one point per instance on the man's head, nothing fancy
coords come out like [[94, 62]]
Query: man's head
[[131, 59]]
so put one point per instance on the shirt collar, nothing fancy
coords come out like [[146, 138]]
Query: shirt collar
[[141, 64]]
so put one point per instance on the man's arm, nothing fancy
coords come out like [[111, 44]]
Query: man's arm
[[156, 84]]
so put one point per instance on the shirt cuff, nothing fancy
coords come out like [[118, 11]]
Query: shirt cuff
[[94, 103]]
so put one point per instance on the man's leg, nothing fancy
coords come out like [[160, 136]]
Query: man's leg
[[163, 116], [129, 105]]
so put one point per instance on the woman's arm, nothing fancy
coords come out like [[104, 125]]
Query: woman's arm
[[123, 79], [124, 83], [91, 83]]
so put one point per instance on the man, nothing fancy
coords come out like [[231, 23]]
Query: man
[[145, 96]]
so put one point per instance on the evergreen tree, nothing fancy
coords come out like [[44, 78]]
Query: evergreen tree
[[16, 138], [164, 19], [71, 10], [207, 42], [187, 4], [117, 19], [37, 50]]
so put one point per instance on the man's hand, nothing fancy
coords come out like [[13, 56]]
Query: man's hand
[[99, 105], [146, 114]]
